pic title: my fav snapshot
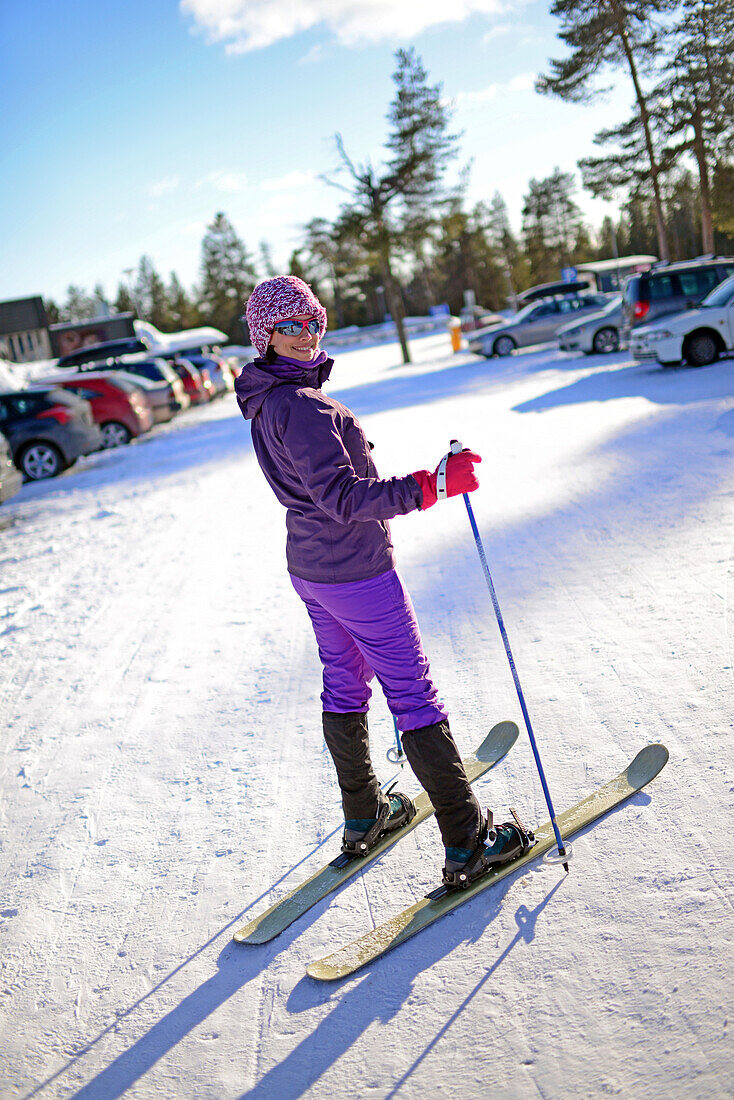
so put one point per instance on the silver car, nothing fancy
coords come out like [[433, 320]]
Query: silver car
[[597, 334], [536, 323]]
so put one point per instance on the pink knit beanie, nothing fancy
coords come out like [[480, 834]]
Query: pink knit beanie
[[275, 300]]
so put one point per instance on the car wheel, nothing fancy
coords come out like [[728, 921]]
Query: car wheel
[[114, 434], [606, 340], [504, 345], [41, 460], [701, 349]]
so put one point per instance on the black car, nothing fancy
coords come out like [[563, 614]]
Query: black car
[[672, 288], [10, 477], [47, 430], [97, 353]]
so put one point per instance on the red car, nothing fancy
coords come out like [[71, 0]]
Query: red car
[[119, 407], [197, 383]]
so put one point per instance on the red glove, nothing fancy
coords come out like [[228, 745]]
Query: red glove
[[460, 477]]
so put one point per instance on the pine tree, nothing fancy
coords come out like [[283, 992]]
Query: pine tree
[[124, 302], [180, 307], [150, 295], [611, 33], [552, 224], [79, 305], [421, 147], [515, 265], [627, 167], [266, 260], [697, 94], [227, 277]]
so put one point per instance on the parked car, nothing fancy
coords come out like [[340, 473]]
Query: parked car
[[156, 394], [11, 478], [534, 324], [221, 375], [697, 337], [597, 334], [96, 353], [672, 288], [118, 406], [155, 370], [474, 317], [551, 290], [197, 383], [48, 430]]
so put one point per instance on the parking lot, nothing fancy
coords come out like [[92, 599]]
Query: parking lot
[[163, 761]]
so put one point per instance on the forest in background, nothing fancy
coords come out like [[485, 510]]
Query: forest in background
[[404, 239]]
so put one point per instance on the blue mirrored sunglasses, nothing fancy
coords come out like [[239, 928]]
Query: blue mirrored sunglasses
[[295, 328]]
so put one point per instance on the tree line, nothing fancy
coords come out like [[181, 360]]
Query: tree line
[[404, 239]]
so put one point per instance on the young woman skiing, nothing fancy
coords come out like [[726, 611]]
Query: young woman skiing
[[316, 458]]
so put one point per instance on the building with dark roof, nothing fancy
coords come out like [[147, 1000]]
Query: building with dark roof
[[24, 331]]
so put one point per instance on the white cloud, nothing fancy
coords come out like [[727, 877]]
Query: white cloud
[[254, 24], [194, 229], [163, 186], [291, 181], [231, 182], [313, 56], [523, 82]]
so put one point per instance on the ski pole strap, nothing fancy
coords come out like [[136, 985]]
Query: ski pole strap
[[441, 492]]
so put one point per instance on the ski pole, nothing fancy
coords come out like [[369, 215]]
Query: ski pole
[[563, 852], [396, 755]]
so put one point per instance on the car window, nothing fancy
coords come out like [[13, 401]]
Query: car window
[[544, 310], [720, 295], [4, 412], [663, 286], [26, 404], [148, 370], [696, 283], [124, 384], [632, 289], [84, 391]]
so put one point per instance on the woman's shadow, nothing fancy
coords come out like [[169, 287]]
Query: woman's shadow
[[374, 999]]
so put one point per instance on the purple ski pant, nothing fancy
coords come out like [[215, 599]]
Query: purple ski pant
[[366, 629]]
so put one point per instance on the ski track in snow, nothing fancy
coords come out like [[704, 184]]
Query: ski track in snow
[[162, 763]]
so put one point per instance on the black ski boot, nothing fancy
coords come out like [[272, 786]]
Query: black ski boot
[[494, 846], [361, 834], [435, 760], [368, 813]]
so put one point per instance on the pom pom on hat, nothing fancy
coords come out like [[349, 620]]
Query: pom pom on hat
[[276, 299]]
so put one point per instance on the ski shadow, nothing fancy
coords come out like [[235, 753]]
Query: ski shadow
[[374, 1000], [237, 966]]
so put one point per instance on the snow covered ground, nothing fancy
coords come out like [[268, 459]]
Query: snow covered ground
[[162, 762]]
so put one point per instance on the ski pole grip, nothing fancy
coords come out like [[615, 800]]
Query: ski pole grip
[[441, 491]]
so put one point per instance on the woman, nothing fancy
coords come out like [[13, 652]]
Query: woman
[[317, 460]]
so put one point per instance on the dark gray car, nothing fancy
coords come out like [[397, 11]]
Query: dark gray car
[[672, 288], [536, 323], [47, 430]]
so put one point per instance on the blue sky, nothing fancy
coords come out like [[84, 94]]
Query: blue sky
[[127, 126]]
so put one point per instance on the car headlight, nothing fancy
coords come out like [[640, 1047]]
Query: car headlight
[[659, 334]]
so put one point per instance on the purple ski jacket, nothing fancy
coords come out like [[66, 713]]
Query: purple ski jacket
[[317, 461]]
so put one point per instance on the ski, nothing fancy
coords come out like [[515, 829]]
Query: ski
[[278, 917], [645, 766]]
